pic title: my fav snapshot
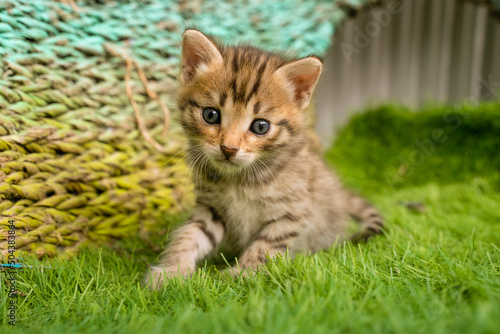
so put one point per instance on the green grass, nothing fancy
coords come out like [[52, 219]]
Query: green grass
[[392, 147], [436, 271]]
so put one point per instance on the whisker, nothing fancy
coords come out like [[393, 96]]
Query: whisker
[[190, 147], [205, 166], [202, 166], [199, 161], [261, 173], [187, 177], [196, 174], [193, 162], [270, 171], [255, 166], [253, 173], [244, 175], [257, 173], [183, 162]]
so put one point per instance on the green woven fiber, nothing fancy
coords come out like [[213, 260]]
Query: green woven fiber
[[74, 169]]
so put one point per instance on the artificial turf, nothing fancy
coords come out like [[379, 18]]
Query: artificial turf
[[436, 269]]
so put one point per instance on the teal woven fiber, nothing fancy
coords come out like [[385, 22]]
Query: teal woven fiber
[[152, 27]]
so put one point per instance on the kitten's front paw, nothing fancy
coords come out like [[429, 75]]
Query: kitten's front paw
[[235, 272], [244, 272], [157, 277]]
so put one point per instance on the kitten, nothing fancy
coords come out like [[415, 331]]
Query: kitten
[[261, 187]]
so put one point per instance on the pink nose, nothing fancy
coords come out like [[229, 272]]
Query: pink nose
[[229, 151]]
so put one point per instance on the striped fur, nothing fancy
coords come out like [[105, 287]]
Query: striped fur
[[275, 194]]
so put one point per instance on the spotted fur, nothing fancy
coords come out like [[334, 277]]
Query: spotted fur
[[274, 194]]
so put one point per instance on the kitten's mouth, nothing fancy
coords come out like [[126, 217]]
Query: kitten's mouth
[[226, 164]]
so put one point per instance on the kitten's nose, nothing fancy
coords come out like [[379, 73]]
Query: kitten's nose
[[229, 151]]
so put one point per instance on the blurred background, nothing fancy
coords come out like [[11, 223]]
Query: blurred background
[[411, 53]]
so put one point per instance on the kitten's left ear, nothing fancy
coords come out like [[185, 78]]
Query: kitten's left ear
[[301, 76], [197, 51]]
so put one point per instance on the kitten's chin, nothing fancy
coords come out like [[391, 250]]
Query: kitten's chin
[[227, 166]]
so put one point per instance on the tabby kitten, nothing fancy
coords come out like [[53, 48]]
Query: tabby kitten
[[261, 187]]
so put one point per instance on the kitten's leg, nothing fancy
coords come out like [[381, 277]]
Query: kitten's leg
[[275, 238], [189, 244], [366, 214]]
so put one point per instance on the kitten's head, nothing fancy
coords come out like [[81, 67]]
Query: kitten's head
[[242, 104]]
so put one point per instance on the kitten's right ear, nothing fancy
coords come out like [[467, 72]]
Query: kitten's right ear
[[197, 53]]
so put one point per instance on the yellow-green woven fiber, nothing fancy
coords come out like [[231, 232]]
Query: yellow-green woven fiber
[[74, 169]]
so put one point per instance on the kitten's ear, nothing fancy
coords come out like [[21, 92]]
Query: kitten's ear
[[197, 51], [301, 76]]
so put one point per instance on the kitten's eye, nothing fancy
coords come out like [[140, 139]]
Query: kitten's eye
[[211, 116], [260, 127]]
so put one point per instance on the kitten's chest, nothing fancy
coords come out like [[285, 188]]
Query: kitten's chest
[[242, 206], [243, 210]]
